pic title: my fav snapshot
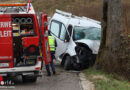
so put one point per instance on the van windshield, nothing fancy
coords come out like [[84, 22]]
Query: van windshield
[[92, 33]]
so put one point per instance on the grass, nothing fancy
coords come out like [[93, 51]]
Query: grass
[[104, 81]]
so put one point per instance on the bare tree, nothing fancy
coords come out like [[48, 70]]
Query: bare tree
[[109, 52]]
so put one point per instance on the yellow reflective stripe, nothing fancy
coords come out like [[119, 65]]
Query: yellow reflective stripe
[[52, 49]]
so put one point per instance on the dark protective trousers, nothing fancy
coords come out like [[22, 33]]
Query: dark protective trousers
[[51, 64]]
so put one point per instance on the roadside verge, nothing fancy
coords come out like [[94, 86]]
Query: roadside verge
[[86, 84]]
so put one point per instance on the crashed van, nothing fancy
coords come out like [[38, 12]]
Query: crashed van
[[78, 39]]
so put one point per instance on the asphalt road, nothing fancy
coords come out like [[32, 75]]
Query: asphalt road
[[63, 80]]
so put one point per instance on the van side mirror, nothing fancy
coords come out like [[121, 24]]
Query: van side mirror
[[68, 35], [70, 28], [67, 38]]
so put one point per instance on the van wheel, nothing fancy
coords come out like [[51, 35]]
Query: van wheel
[[29, 78], [67, 64]]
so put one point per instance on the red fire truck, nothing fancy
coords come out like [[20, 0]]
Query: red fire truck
[[23, 41]]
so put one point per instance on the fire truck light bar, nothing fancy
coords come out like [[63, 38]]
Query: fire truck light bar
[[7, 5]]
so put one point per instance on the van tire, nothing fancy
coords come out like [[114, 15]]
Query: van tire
[[67, 64], [29, 78], [85, 58]]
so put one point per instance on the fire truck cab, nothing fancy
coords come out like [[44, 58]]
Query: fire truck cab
[[23, 43]]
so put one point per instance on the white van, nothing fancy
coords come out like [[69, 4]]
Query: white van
[[78, 39]]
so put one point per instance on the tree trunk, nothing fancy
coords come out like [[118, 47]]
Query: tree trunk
[[108, 57]]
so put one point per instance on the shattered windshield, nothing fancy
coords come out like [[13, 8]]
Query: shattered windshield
[[92, 33]]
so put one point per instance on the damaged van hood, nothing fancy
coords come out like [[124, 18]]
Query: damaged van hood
[[92, 44]]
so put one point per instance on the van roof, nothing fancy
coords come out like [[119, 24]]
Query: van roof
[[68, 18]]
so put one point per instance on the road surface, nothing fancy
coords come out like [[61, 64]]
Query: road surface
[[63, 80]]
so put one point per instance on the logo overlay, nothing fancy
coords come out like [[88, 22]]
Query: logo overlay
[[6, 83]]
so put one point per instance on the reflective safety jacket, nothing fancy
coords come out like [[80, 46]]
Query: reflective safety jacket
[[51, 43]]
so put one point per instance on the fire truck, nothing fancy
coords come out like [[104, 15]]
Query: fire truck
[[23, 41]]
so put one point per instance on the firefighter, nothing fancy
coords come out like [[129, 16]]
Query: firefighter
[[53, 45]]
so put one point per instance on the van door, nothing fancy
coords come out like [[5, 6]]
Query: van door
[[6, 43], [59, 31]]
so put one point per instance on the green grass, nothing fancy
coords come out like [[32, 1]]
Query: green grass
[[105, 81]]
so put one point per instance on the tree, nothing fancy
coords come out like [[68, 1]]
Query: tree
[[108, 58]]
